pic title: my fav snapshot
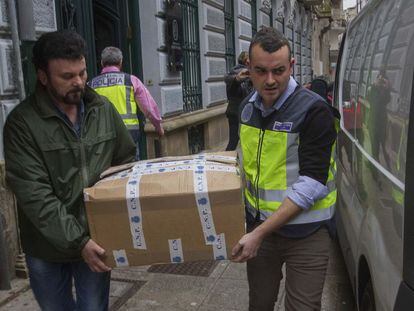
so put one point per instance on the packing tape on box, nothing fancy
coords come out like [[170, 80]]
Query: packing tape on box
[[167, 167], [120, 257], [134, 211], [199, 166], [197, 159], [203, 203], [219, 248], [176, 250], [218, 242]]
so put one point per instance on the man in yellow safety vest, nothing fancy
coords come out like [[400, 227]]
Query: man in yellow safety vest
[[127, 93], [287, 137]]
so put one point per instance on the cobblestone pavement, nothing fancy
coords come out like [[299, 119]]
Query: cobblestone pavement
[[224, 289]]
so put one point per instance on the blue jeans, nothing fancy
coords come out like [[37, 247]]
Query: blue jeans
[[52, 285]]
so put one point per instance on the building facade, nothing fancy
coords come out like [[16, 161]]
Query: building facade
[[181, 51], [329, 23]]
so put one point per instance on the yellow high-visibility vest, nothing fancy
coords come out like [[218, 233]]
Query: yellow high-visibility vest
[[118, 88], [271, 164]]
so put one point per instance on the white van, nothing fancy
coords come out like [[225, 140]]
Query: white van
[[374, 93]]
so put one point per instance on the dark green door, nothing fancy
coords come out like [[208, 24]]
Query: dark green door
[[105, 23], [110, 28]]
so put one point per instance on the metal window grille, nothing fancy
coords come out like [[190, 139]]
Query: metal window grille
[[191, 56], [254, 16], [271, 16], [303, 60], [297, 55], [229, 33]]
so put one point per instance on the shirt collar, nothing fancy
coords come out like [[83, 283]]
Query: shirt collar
[[81, 109], [110, 69], [78, 123], [278, 103]]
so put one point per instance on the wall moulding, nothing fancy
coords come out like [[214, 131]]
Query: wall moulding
[[7, 75]]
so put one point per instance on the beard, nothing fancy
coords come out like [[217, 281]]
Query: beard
[[73, 97]]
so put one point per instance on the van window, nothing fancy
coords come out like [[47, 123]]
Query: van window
[[400, 65], [377, 73], [351, 74], [373, 46], [389, 88], [370, 40]]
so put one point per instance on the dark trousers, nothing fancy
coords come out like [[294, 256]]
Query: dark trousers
[[135, 134], [306, 263], [233, 132]]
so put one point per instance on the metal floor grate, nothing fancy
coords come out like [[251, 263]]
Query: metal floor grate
[[131, 290], [195, 268]]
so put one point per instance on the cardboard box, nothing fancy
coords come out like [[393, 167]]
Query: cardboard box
[[171, 209]]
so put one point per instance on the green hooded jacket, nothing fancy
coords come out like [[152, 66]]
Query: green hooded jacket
[[48, 166]]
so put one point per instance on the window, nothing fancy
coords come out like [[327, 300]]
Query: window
[[351, 111]]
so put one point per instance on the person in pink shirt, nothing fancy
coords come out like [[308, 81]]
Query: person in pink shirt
[[127, 93]]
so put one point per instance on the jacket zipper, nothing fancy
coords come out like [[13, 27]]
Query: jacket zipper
[[84, 170], [256, 181]]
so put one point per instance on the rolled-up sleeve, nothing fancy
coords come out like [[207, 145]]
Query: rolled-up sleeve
[[306, 191], [316, 139]]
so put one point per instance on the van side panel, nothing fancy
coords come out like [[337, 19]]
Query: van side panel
[[374, 95], [408, 267], [405, 297]]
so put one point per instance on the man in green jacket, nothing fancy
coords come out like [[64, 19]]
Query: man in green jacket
[[57, 142]]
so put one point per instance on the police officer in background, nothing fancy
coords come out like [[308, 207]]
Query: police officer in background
[[127, 93], [287, 137]]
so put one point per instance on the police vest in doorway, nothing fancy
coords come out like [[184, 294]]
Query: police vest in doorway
[[118, 88]]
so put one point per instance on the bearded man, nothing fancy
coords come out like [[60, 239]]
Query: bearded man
[[57, 142]]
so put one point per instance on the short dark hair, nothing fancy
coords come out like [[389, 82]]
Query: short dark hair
[[270, 40], [64, 44]]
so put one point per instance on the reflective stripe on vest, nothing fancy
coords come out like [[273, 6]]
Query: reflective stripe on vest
[[118, 88], [271, 166]]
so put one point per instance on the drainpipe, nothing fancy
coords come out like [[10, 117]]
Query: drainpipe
[[16, 48]]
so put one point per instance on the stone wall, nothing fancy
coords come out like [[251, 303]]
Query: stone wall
[[212, 52], [8, 100], [163, 84], [175, 141], [9, 225], [216, 134]]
